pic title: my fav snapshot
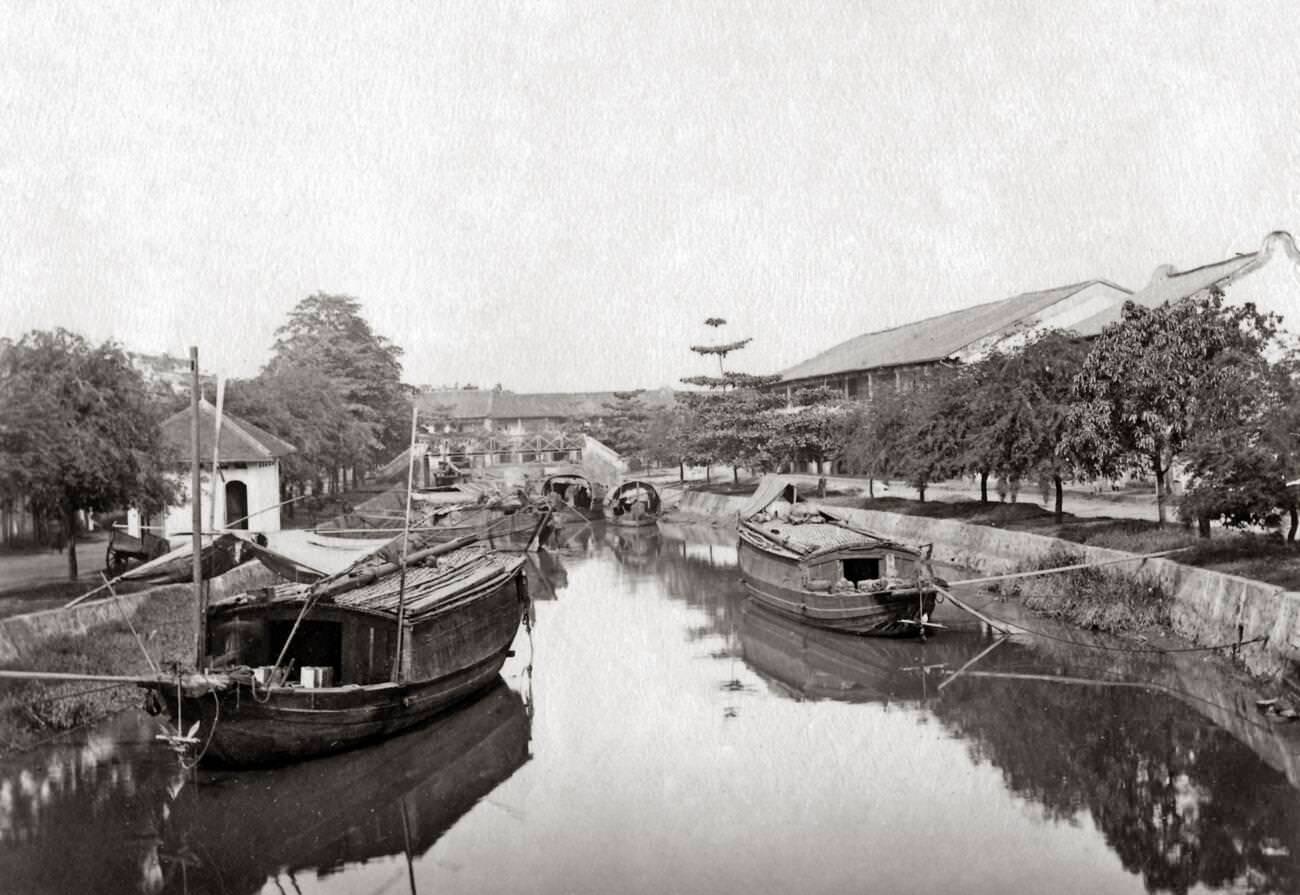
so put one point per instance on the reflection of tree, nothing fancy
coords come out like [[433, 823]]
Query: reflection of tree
[[704, 580], [1181, 802], [77, 818]]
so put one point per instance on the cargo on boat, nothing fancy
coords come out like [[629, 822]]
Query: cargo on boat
[[633, 503], [296, 671], [809, 563]]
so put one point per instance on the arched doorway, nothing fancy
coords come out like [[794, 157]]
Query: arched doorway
[[236, 505]]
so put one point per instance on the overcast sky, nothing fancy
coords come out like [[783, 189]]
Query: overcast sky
[[554, 196]]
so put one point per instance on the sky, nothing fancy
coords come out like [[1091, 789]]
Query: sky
[[553, 196]]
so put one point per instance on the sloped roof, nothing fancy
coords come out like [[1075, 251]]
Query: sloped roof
[[933, 338], [240, 441], [1168, 284], [462, 404]]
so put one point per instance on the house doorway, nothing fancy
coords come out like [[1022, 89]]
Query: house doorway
[[236, 505]]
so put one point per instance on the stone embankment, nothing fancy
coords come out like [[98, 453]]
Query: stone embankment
[[1207, 607]]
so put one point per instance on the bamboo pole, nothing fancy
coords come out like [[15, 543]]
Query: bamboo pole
[[406, 538], [196, 517], [1074, 568], [8, 674], [963, 606]]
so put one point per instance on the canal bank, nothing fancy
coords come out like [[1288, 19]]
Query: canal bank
[[1206, 607]]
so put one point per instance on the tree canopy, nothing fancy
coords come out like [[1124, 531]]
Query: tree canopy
[[1158, 376], [78, 431]]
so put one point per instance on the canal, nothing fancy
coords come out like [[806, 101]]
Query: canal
[[655, 733]]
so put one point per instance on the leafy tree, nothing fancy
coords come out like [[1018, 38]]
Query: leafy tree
[[1020, 410], [327, 337], [78, 431], [934, 435], [623, 427], [872, 437], [1238, 469], [1157, 377], [810, 429]]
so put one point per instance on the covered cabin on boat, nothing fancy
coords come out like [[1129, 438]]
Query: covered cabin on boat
[[247, 492]]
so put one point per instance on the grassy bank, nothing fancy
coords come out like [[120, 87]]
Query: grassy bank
[[1102, 599], [1262, 557], [32, 711]]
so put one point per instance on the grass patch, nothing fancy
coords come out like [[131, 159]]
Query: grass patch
[[729, 488], [1259, 556], [1099, 599], [33, 711]]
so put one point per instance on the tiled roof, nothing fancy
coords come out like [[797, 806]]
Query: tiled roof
[[474, 404], [240, 441], [935, 337]]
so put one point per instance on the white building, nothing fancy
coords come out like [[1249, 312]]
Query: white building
[[1270, 278], [248, 474]]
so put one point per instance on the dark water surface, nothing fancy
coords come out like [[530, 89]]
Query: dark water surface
[[672, 738]]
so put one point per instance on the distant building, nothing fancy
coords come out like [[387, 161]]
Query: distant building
[[248, 473], [481, 427], [1270, 278], [900, 357], [473, 411]]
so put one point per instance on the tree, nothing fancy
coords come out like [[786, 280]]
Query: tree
[[623, 427], [78, 431], [326, 336], [1021, 403], [1158, 376], [1238, 469], [934, 435], [810, 429], [725, 424], [872, 437]]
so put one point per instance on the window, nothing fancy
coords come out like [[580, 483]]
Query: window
[[862, 569]]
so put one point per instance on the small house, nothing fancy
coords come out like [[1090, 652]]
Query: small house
[[247, 492]]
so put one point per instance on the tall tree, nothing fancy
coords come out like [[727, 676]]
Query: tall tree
[[326, 337], [623, 425], [725, 423], [873, 437], [78, 431], [328, 340], [1159, 375]]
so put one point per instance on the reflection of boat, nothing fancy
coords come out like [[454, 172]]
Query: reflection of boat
[[813, 663], [379, 651], [632, 503], [810, 564], [637, 547], [234, 832], [572, 489], [546, 576]]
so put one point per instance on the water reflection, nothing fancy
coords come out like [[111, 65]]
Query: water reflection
[[1180, 801], [234, 833]]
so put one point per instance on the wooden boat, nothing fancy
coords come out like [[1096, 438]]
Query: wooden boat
[[633, 503], [235, 833], [810, 564], [573, 492], [377, 649]]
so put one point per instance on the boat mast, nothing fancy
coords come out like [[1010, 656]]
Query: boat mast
[[406, 535], [196, 518]]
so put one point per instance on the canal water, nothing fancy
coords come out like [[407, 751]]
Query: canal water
[[656, 733]]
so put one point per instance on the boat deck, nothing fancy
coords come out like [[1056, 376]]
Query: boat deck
[[807, 537]]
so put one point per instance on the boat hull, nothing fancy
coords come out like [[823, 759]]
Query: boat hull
[[451, 656], [772, 581], [625, 522]]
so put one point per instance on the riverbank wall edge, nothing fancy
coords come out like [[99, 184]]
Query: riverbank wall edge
[[1208, 607]]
